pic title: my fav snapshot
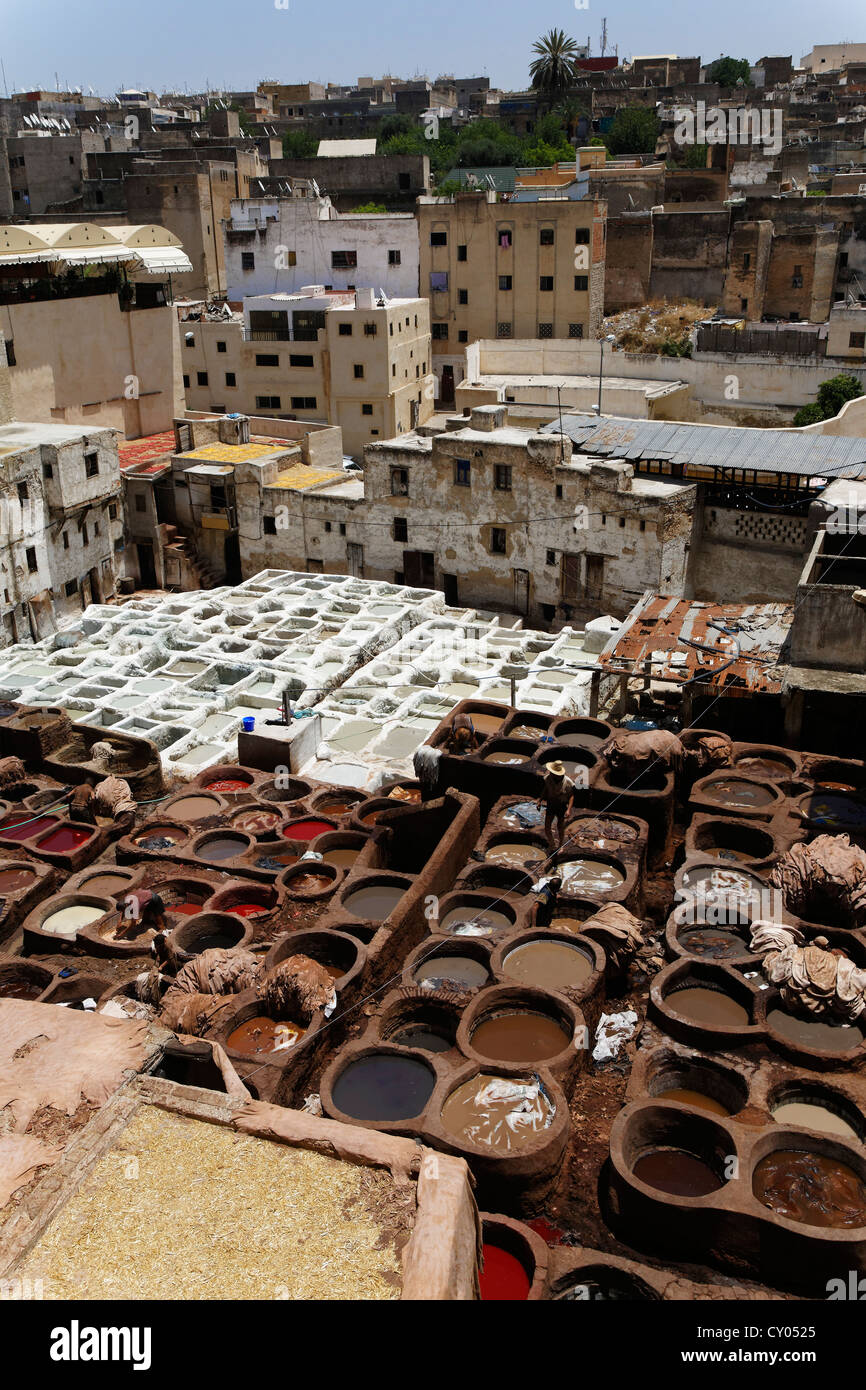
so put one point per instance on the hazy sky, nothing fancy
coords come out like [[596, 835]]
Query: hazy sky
[[169, 44]]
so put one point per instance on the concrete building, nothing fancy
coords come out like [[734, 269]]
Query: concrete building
[[351, 359], [496, 269], [282, 244], [831, 57], [350, 180], [781, 272], [98, 349]]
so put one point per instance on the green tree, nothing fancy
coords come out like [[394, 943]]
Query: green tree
[[729, 71], [832, 395], [634, 130], [299, 144], [552, 70], [808, 415], [370, 208]]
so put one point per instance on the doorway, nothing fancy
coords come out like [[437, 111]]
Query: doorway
[[146, 566], [449, 585], [521, 591], [355, 559], [446, 395], [419, 568]]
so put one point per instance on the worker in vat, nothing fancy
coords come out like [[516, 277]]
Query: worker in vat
[[557, 798], [113, 797], [461, 737], [143, 910], [81, 807], [546, 892]]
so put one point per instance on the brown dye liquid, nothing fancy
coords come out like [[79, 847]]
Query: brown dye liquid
[[256, 822], [813, 1116], [569, 924], [714, 943], [589, 876], [102, 884], [13, 880], [824, 1037], [194, 808], [525, 731], [20, 989], [375, 902], [596, 828], [483, 918], [486, 723], [730, 792], [263, 1036], [694, 1098], [458, 972], [515, 853], [336, 807], [225, 848], [710, 1006], [810, 1188], [520, 1037], [472, 1115], [765, 767], [309, 883], [504, 756], [340, 858], [549, 965], [737, 856], [677, 1172]]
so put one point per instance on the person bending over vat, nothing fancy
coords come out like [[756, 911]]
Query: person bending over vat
[[461, 738], [114, 798], [546, 891], [558, 798], [81, 807], [143, 911]]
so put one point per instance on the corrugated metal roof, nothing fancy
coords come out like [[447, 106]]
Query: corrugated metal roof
[[717, 446], [732, 646]]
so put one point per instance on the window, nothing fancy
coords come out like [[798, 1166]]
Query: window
[[231, 379], [581, 236], [267, 359], [65, 541], [248, 260], [503, 330], [393, 257], [189, 340], [505, 282], [301, 359], [399, 482], [439, 331], [401, 529], [370, 330], [551, 557], [112, 511], [185, 379], [303, 403], [404, 181], [545, 236], [545, 330], [462, 473], [267, 402], [744, 304], [497, 540], [344, 260], [221, 347], [359, 370], [269, 525], [140, 502], [32, 562], [10, 353], [747, 260], [461, 253], [502, 477], [575, 330], [91, 465], [201, 378], [581, 282], [345, 330], [643, 525], [857, 340], [438, 238], [23, 492], [438, 281], [462, 296], [462, 336], [342, 528], [558, 490], [70, 587], [622, 521], [505, 240], [366, 408]]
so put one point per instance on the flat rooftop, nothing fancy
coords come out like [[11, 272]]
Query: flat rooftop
[[20, 434]]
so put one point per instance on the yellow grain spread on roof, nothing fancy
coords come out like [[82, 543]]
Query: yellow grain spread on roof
[[303, 476], [183, 1209], [232, 453]]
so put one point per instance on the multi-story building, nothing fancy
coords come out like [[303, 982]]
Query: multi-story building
[[353, 359], [516, 269], [282, 244]]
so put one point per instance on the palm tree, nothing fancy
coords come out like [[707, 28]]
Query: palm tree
[[552, 71]]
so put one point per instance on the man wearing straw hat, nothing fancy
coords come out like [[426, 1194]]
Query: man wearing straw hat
[[558, 796]]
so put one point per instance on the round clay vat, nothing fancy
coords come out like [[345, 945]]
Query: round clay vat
[[672, 1154], [509, 1026], [403, 792], [698, 1082], [828, 774], [801, 1191], [487, 915], [310, 879], [585, 873], [528, 725], [381, 1087], [290, 789], [335, 803], [732, 841], [258, 819], [819, 1108], [597, 1279], [342, 956], [249, 1036], [61, 918], [514, 1261], [247, 900], [524, 853], [569, 914], [16, 876], [833, 813], [160, 836], [766, 762], [465, 966], [211, 929], [554, 962], [708, 891], [812, 1042], [107, 881], [728, 944], [425, 1025], [368, 813], [341, 848], [737, 795], [477, 877], [603, 830], [582, 732], [23, 979], [304, 830], [226, 780], [220, 846], [194, 806], [183, 897], [716, 1006], [375, 896], [577, 761], [507, 752]]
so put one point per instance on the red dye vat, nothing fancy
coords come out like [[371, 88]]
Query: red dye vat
[[21, 827], [503, 1278], [248, 909], [551, 1235], [306, 829], [186, 909], [227, 784], [68, 837]]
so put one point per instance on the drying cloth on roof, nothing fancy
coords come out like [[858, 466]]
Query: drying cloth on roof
[[296, 988], [811, 979], [824, 880], [629, 751]]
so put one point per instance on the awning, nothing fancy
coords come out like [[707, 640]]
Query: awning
[[95, 255], [163, 260]]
